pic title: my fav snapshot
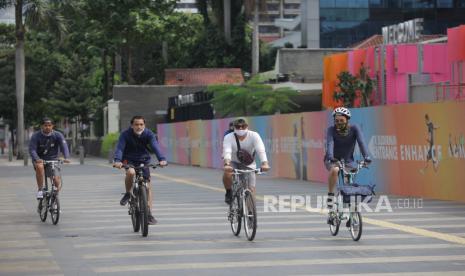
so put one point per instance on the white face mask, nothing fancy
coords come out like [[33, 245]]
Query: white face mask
[[240, 132], [139, 132]]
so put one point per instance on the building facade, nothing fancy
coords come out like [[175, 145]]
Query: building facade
[[345, 22]]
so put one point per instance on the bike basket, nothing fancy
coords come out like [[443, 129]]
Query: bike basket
[[364, 192]]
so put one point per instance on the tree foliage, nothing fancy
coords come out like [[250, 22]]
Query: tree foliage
[[70, 74], [351, 87], [250, 99]]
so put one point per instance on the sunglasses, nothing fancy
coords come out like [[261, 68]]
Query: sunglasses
[[339, 121], [240, 126]]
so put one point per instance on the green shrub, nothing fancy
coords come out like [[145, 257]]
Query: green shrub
[[108, 143]]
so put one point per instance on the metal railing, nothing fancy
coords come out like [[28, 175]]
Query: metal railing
[[448, 92]]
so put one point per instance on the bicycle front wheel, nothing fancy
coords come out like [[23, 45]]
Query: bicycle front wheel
[[43, 206], [55, 209], [250, 216], [355, 227], [334, 223], [134, 212], [235, 215], [143, 211]]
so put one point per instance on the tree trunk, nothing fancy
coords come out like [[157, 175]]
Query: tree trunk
[[105, 76], [202, 6], [20, 75], [129, 71], [255, 40], [113, 70], [227, 20]]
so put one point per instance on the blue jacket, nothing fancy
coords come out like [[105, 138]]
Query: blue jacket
[[46, 147], [134, 148], [342, 147]]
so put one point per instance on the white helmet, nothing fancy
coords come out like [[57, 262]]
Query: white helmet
[[341, 111]]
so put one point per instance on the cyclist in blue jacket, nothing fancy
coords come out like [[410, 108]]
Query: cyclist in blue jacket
[[340, 145], [132, 149], [46, 144]]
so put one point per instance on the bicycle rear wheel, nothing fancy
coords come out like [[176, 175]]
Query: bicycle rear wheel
[[43, 206], [250, 216], [355, 225], [134, 212], [55, 208], [143, 210], [235, 215], [335, 222]]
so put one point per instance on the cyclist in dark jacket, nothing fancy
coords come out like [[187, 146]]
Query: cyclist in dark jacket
[[132, 149], [340, 145], [46, 144]]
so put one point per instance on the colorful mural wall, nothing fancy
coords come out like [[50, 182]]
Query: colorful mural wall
[[396, 136]]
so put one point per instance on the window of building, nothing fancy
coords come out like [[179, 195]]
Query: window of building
[[268, 29], [415, 4], [460, 3], [291, 6], [445, 3]]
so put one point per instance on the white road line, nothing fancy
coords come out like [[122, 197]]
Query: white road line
[[278, 263], [247, 250]]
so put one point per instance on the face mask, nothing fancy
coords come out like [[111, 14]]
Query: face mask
[[240, 132], [139, 132], [47, 134], [341, 126]]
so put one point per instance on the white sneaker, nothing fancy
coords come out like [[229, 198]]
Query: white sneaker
[[40, 194]]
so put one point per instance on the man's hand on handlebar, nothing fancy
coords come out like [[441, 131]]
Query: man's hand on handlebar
[[117, 165], [265, 167], [227, 166], [163, 163]]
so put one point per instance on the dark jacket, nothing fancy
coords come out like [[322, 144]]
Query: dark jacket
[[134, 148], [48, 147], [342, 147]]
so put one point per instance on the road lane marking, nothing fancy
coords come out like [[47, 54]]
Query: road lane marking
[[248, 250], [278, 263], [423, 273], [385, 224], [21, 243], [229, 241], [25, 253], [222, 231], [29, 266]]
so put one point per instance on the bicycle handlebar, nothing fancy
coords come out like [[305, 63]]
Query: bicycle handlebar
[[256, 171], [59, 161], [350, 170], [154, 166]]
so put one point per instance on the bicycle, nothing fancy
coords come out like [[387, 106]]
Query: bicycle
[[348, 194], [50, 201], [138, 205], [243, 204]]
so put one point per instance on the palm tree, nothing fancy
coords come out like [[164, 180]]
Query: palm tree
[[256, 6], [221, 10], [37, 14]]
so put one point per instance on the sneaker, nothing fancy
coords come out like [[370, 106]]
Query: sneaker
[[152, 220], [228, 197], [40, 194], [330, 219], [125, 199]]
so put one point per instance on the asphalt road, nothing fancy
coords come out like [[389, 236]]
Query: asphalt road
[[193, 237]]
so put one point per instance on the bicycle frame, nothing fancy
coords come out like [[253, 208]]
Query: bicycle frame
[[346, 176], [240, 184], [50, 202], [139, 197], [55, 166]]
